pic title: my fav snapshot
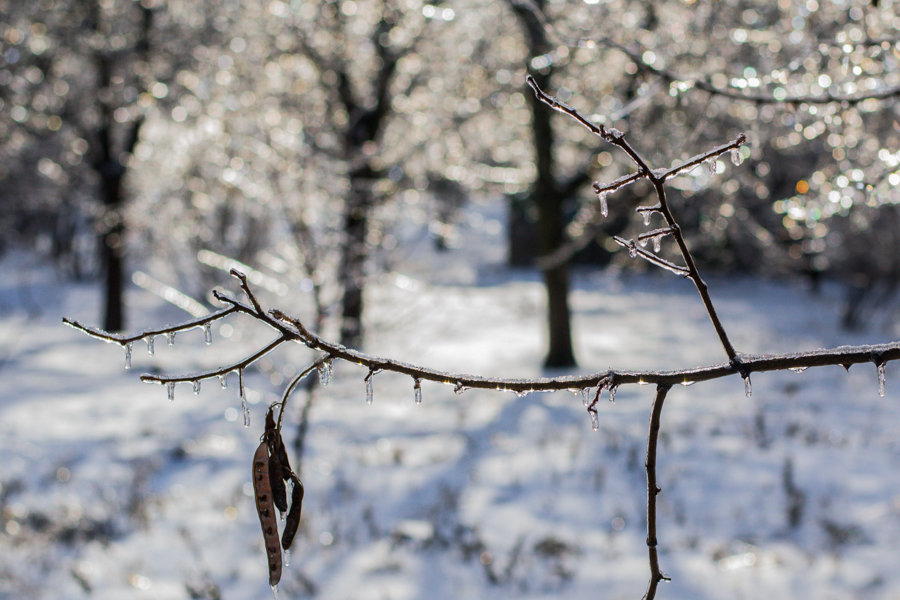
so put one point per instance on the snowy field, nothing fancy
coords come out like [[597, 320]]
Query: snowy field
[[110, 491]]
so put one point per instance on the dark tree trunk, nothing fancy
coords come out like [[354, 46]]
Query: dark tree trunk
[[351, 273], [111, 252], [548, 199]]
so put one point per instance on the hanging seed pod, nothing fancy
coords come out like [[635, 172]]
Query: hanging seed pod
[[286, 472], [279, 493], [262, 489], [293, 519]]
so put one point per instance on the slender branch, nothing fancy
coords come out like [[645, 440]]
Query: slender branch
[[127, 339], [653, 259], [617, 138], [653, 490], [236, 366]]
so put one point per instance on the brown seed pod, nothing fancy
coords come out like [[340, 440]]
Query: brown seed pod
[[265, 508], [293, 518], [279, 493], [286, 472]]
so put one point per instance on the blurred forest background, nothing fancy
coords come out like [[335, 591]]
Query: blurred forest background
[[317, 145], [312, 138]]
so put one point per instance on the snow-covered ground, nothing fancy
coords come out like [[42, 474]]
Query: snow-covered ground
[[110, 491]]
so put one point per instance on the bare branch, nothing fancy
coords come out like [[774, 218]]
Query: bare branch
[[127, 339], [653, 490]]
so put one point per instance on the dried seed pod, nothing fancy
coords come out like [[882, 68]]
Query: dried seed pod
[[286, 472], [293, 518], [265, 508], [279, 493]]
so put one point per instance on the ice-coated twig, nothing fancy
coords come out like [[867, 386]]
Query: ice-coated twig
[[650, 257], [653, 490], [235, 366], [116, 338]]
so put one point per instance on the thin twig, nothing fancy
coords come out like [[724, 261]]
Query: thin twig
[[653, 490], [127, 339]]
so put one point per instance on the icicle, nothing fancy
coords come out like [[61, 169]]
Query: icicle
[[612, 393], [711, 166], [521, 393], [657, 243], [880, 368], [275, 591], [287, 558], [150, 339], [207, 334], [604, 205], [196, 387], [170, 389], [459, 388], [585, 396], [244, 406], [417, 390], [128, 355], [643, 241], [170, 338], [748, 389], [595, 420], [798, 369], [370, 390], [646, 214], [325, 370], [223, 380], [736, 158]]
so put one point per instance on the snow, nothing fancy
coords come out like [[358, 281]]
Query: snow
[[111, 491]]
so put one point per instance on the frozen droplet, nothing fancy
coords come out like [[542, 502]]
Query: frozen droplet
[[521, 393], [711, 166], [170, 338], [642, 241], [459, 388], [170, 390], [657, 243], [595, 420], [223, 380], [646, 214], [325, 370], [275, 591], [585, 396], [417, 390], [736, 158], [196, 387], [207, 334], [612, 393], [798, 369], [149, 341], [748, 389], [244, 407], [632, 250], [287, 558], [881, 379], [370, 390], [686, 383], [128, 355], [604, 205]]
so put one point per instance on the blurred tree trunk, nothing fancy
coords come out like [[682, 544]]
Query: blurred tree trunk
[[548, 196]]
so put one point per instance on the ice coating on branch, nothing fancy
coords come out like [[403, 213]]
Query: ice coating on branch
[[128, 355], [417, 390], [244, 407], [736, 158], [149, 340], [207, 334], [604, 205], [798, 369], [632, 250], [711, 166], [196, 387], [170, 338], [370, 389], [170, 390], [325, 370], [881, 379]]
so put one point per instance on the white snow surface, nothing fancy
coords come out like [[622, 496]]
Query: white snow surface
[[110, 491]]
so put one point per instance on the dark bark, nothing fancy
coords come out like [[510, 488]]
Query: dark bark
[[547, 197]]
